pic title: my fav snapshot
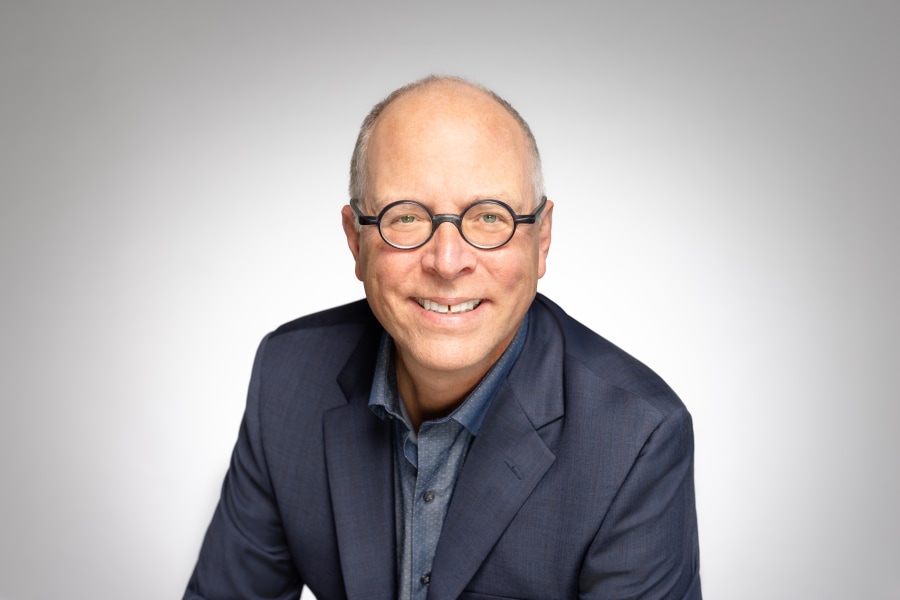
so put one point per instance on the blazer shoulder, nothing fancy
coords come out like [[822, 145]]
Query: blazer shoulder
[[319, 342], [596, 361], [354, 313]]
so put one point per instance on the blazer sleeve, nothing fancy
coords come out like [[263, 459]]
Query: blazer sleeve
[[647, 546], [244, 553]]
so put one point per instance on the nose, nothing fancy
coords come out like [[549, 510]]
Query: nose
[[447, 254]]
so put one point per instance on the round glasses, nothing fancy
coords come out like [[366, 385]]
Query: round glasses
[[486, 224]]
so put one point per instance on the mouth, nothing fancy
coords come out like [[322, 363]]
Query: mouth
[[452, 309]]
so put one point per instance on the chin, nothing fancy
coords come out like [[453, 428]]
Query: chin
[[441, 355]]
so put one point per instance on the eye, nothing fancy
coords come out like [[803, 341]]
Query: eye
[[486, 216], [406, 219]]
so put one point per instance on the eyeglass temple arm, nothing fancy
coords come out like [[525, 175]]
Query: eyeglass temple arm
[[361, 218], [528, 219]]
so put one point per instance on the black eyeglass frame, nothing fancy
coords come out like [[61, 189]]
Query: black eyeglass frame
[[436, 220]]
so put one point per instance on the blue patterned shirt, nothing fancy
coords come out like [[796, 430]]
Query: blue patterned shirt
[[426, 465]]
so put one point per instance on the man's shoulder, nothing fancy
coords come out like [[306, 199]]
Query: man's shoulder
[[317, 347], [328, 334], [593, 362], [355, 313]]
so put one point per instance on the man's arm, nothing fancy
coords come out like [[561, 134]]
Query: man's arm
[[647, 546], [244, 554]]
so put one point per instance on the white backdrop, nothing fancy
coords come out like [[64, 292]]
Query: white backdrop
[[726, 188]]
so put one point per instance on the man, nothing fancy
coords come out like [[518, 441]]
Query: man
[[456, 435]]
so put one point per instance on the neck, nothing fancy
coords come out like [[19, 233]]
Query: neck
[[429, 394]]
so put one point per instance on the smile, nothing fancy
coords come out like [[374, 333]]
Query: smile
[[448, 308]]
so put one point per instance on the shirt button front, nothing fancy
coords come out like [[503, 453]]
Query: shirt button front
[[426, 579], [428, 496]]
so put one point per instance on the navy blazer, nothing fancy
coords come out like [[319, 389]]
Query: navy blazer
[[579, 484]]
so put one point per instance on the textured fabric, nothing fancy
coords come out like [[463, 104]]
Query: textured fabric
[[579, 484], [426, 464]]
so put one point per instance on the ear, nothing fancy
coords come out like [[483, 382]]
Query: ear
[[348, 220], [544, 242]]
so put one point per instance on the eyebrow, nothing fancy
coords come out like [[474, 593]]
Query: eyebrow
[[378, 205]]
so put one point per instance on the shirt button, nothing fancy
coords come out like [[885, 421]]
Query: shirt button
[[428, 496], [426, 579]]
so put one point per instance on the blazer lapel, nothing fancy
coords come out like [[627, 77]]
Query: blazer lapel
[[506, 461], [360, 478]]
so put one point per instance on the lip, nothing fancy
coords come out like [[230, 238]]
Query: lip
[[449, 306]]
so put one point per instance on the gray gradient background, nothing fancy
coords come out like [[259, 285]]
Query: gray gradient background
[[725, 180]]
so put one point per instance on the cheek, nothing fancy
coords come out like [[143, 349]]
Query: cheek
[[368, 259], [381, 271], [513, 276], [522, 265]]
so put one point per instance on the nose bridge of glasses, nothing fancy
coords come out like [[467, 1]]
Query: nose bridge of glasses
[[437, 220]]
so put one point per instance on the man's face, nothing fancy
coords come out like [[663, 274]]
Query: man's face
[[447, 147]]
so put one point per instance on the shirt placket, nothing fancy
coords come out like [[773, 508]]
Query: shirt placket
[[425, 509]]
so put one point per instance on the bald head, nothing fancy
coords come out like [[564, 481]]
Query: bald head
[[433, 102]]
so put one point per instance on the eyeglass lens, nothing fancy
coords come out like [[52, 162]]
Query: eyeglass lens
[[484, 224]]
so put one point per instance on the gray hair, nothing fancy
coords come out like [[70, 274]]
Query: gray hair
[[360, 151]]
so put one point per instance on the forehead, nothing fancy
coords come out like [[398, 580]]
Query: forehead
[[447, 138]]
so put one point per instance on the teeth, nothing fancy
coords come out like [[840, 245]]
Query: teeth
[[448, 308]]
